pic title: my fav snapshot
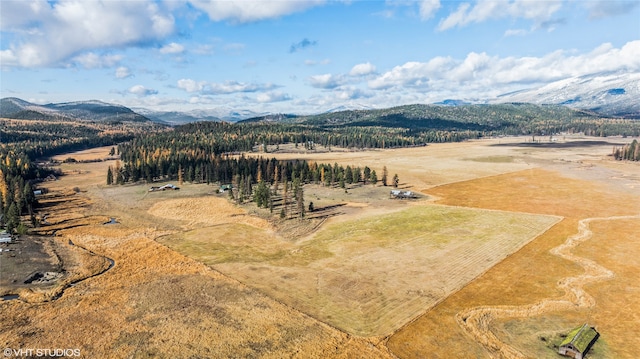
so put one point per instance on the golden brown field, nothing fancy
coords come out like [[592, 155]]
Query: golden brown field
[[467, 270]]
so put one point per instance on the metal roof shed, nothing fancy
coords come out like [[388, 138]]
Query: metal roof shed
[[578, 342]]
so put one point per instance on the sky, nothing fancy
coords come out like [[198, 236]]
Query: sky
[[305, 56]]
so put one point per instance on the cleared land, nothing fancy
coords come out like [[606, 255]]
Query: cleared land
[[157, 303], [369, 275], [531, 275]]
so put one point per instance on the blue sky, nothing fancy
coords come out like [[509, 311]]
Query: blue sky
[[299, 56]]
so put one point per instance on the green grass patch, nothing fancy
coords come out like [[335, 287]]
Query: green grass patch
[[238, 243], [492, 159], [370, 275]]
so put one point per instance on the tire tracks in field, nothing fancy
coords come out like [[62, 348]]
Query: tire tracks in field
[[476, 322]]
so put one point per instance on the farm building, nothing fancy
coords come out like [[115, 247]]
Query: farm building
[[397, 194], [225, 187], [578, 342], [163, 188]]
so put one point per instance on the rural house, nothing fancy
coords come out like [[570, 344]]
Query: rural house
[[163, 188], [397, 194], [225, 187], [578, 342]]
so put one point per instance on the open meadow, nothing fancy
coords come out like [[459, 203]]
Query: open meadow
[[508, 245]]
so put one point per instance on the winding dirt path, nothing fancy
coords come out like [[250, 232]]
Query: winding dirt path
[[476, 321]]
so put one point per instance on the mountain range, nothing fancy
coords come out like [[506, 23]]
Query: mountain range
[[604, 94], [174, 118], [607, 94], [94, 110]]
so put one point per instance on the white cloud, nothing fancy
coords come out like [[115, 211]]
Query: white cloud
[[91, 60], [273, 96], [172, 48], [351, 93], [190, 85], [326, 81], [538, 11], [515, 32], [53, 33], [252, 10], [22, 15], [8, 58], [227, 87], [141, 91], [485, 74], [362, 69], [235, 86], [428, 8], [123, 72]]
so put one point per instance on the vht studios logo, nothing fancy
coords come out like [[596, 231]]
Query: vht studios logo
[[41, 352]]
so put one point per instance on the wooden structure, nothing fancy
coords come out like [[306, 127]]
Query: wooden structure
[[578, 342], [397, 194], [225, 187], [163, 188]]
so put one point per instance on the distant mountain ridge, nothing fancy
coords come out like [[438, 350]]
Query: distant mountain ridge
[[607, 94], [181, 117], [601, 94], [93, 110]]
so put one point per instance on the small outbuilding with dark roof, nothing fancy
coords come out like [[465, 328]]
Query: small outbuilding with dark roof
[[578, 342]]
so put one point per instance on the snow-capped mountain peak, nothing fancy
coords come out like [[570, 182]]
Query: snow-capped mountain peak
[[610, 94]]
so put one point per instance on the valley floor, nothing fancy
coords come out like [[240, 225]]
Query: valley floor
[[467, 270]]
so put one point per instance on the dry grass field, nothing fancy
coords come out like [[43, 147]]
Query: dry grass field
[[367, 275], [467, 270], [531, 275]]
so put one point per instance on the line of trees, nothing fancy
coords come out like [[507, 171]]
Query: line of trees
[[191, 154], [240, 170], [629, 152]]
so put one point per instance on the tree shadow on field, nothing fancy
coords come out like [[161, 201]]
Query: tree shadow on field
[[326, 211], [546, 144]]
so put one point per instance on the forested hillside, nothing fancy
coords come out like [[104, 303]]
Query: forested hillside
[[210, 152], [201, 149], [96, 111], [22, 141], [434, 123]]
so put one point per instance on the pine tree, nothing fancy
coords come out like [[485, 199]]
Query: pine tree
[[396, 180], [4, 189], [13, 217], [261, 195], [367, 174], [241, 191], [385, 174], [285, 186], [348, 175], [118, 174], [373, 178], [109, 176], [276, 179], [300, 201]]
